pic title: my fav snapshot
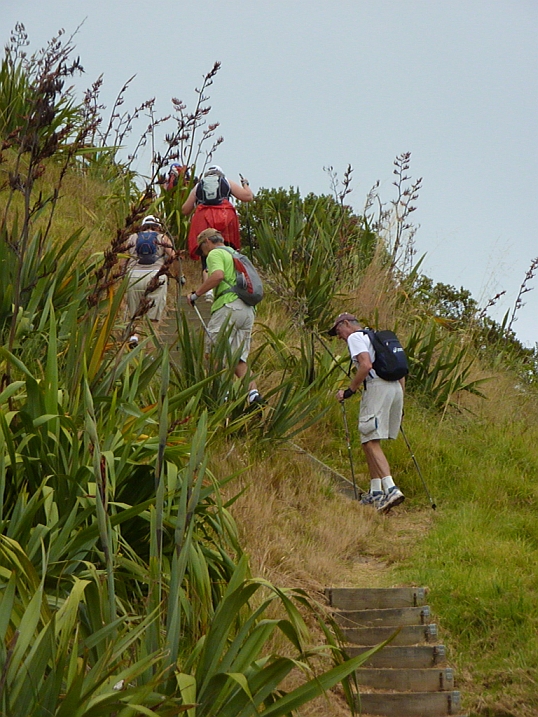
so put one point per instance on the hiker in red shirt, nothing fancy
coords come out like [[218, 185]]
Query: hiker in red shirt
[[211, 197], [177, 172]]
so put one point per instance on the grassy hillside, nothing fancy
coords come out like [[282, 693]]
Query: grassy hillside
[[477, 552], [159, 540]]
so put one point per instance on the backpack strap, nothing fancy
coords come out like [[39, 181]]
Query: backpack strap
[[230, 250], [368, 333]]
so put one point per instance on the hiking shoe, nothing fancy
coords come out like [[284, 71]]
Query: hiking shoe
[[255, 399], [133, 341], [390, 500], [208, 296], [372, 498]]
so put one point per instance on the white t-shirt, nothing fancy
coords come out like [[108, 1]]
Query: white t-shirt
[[359, 343]]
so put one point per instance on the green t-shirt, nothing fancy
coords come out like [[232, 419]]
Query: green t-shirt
[[221, 258]]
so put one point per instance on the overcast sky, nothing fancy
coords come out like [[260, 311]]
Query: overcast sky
[[309, 83]]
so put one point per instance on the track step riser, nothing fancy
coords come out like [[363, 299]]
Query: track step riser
[[421, 656], [427, 680], [427, 704], [384, 618], [408, 635], [375, 598]]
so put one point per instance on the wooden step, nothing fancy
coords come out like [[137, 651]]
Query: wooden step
[[375, 598], [386, 617], [425, 680], [409, 704], [400, 657], [204, 307], [407, 635]]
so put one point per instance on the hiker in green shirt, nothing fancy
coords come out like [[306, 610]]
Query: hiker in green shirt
[[227, 309]]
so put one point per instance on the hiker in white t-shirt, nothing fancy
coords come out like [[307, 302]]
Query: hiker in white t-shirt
[[380, 411], [148, 250]]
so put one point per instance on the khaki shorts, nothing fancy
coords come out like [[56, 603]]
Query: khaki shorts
[[240, 318], [381, 409], [138, 280]]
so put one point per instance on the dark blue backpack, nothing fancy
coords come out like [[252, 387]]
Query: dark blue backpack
[[146, 247], [390, 360]]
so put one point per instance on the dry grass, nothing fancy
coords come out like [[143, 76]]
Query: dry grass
[[90, 210], [375, 297], [301, 532]]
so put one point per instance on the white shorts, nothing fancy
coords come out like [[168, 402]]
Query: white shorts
[[138, 281], [240, 318], [381, 409]]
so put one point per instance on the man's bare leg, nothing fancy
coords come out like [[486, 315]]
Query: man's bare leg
[[240, 371], [378, 465]]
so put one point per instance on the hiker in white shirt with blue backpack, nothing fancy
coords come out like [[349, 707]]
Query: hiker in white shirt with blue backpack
[[381, 407], [148, 250]]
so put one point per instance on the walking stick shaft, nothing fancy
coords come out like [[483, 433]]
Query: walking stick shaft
[[434, 506], [201, 319], [350, 454]]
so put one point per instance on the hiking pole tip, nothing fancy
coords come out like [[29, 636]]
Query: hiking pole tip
[[433, 505]]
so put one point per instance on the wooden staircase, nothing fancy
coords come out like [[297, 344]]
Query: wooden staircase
[[168, 328], [409, 677]]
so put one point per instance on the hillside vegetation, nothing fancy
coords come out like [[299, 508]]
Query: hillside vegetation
[[161, 549]]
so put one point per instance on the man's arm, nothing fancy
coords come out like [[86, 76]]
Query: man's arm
[[166, 245], [365, 364], [211, 282], [243, 193], [124, 261], [188, 204]]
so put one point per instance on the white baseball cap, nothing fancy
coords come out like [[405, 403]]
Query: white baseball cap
[[150, 219], [214, 169]]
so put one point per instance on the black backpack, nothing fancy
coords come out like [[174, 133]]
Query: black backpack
[[390, 360], [146, 247], [212, 190]]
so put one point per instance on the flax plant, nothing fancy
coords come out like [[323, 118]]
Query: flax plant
[[440, 365]]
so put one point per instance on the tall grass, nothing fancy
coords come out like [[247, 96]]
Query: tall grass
[[481, 558]]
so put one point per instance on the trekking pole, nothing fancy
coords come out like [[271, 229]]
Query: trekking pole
[[204, 325], [249, 235], [248, 225], [434, 506], [322, 342], [348, 441], [344, 415]]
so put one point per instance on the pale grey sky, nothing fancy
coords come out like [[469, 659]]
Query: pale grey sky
[[311, 83]]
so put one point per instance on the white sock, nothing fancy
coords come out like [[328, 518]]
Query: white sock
[[375, 485], [388, 483]]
